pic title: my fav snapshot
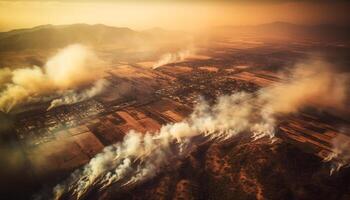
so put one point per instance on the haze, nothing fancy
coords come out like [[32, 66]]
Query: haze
[[169, 14]]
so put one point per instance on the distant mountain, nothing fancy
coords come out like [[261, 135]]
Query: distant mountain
[[284, 29], [50, 36]]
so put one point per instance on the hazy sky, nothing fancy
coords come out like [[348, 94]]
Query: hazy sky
[[170, 14]]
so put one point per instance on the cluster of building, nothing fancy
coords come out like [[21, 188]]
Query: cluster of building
[[209, 84], [36, 127], [62, 139], [309, 131]]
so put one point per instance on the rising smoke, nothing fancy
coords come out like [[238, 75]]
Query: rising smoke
[[174, 57], [312, 83], [71, 68], [71, 97], [141, 156], [340, 156]]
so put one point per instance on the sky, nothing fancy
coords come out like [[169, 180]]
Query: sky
[[170, 14]]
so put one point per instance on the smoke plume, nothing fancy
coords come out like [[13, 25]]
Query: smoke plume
[[174, 57], [72, 97], [140, 156], [340, 157], [72, 67], [313, 83]]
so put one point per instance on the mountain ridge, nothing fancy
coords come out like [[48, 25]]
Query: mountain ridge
[[57, 36], [52, 36]]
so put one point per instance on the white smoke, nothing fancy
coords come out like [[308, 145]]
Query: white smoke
[[340, 156], [313, 83], [72, 67], [174, 57], [73, 97]]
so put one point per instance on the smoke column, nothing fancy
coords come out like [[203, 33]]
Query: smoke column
[[311, 83], [74, 97], [72, 67], [174, 57], [141, 156], [341, 152]]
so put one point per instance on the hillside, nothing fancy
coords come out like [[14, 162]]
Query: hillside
[[50, 36]]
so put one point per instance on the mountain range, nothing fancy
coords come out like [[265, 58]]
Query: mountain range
[[56, 36]]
